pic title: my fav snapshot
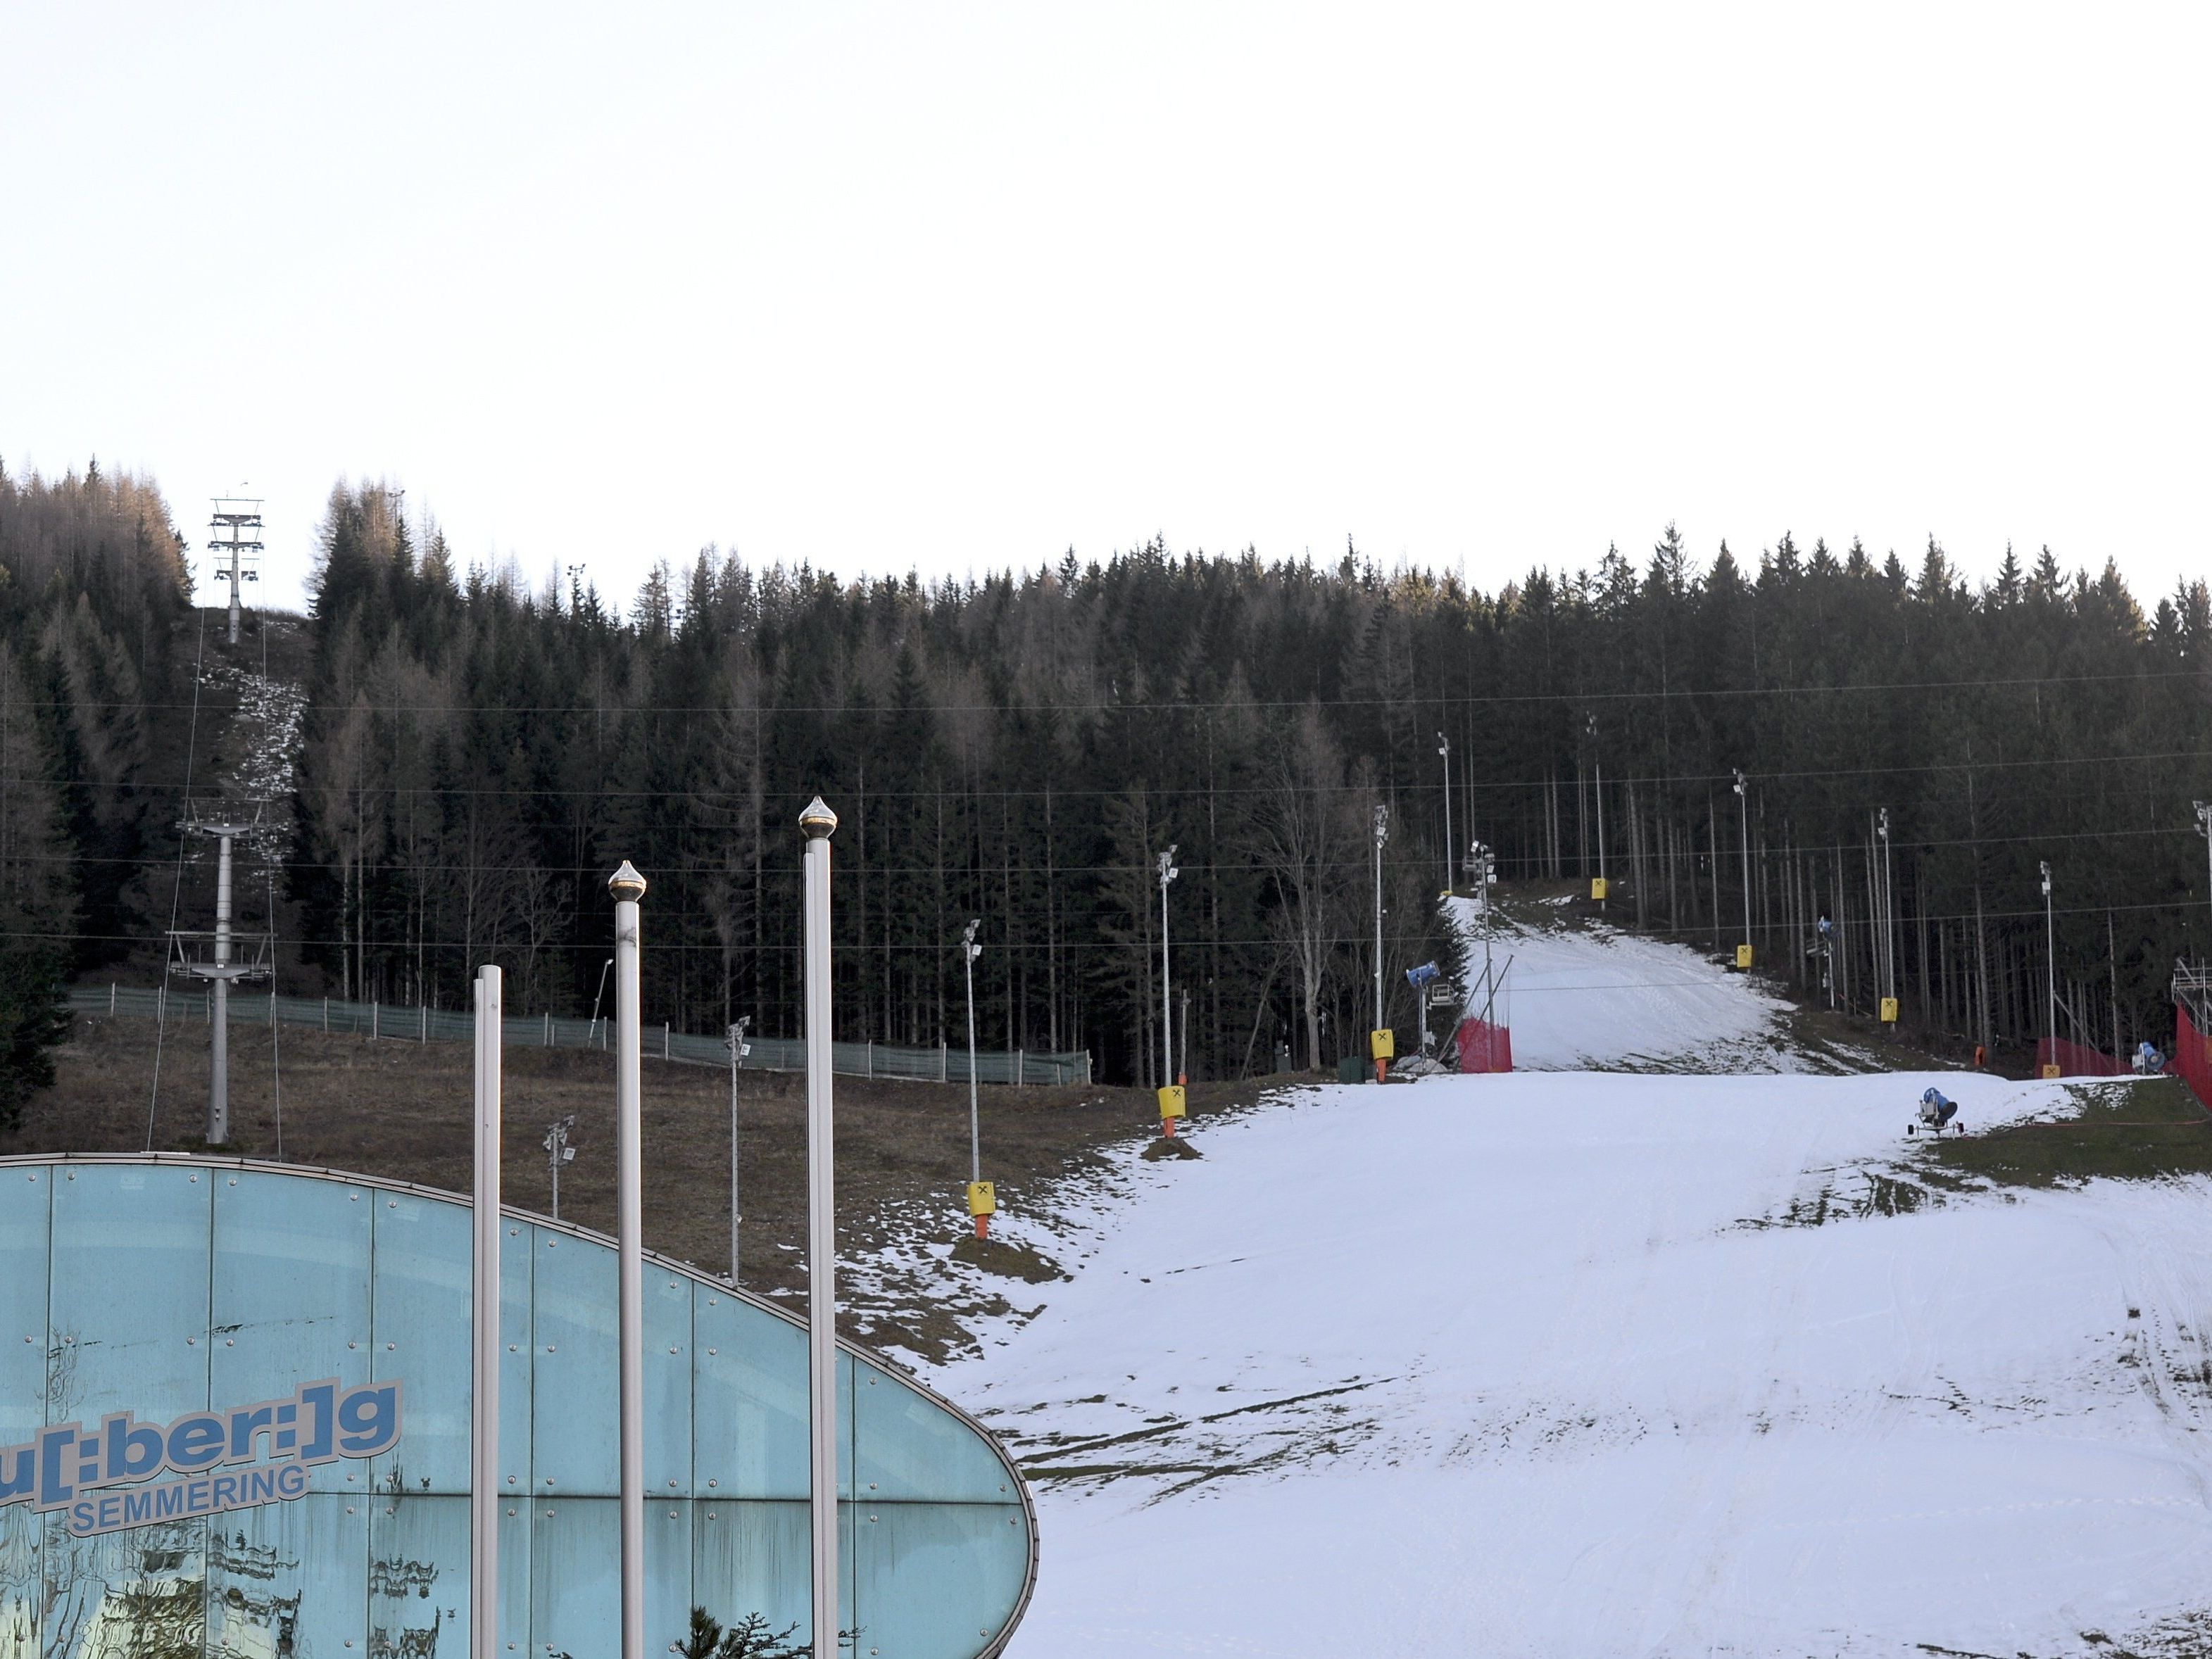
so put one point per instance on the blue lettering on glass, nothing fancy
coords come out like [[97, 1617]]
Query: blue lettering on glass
[[321, 1424]]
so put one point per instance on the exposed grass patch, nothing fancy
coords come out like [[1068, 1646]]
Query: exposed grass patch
[[2130, 1129]]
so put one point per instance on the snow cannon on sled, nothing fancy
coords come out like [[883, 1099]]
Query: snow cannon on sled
[[1935, 1114]]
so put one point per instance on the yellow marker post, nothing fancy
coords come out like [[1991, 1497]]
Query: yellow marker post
[[2049, 1073], [1172, 1106], [1382, 1046], [1889, 1010], [1743, 957], [983, 1204], [1598, 888]]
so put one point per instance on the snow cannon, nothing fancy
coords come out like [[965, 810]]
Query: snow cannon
[[1384, 1046], [1936, 1114], [1172, 1106], [983, 1204]]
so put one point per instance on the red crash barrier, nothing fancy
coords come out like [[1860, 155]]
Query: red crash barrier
[[2192, 1054], [1484, 1047], [2075, 1059]]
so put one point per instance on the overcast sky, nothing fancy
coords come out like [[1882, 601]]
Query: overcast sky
[[955, 286]]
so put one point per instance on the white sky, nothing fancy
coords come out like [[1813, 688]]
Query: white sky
[[955, 286]]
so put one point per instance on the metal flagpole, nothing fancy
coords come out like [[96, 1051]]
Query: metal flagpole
[[628, 887], [820, 822], [483, 1425]]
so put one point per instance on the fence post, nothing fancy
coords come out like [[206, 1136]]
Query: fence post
[[426, 1023], [110, 999], [548, 1043], [326, 1015], [376, 1020], [872, 1058], [1021, 1068], [664, 1039], [944, 1072]]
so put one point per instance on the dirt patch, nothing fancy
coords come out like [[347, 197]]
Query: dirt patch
[[402, 1110], [995, 1255], [1165, 1146], [2130, 1129]]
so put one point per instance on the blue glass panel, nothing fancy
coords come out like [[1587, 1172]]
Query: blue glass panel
[[667, 1572], [753, 1556], [22, 1588], [667, 1385], [515, 1363], [141, 1591], [910, 1447], [25, 1214], [420, 1335], [748, 1416], [573, 1400], [575, 1592], [937, 1580], [130, 1297], [299, 1568], [290, 1299], [514, 1535], [418, 1577]]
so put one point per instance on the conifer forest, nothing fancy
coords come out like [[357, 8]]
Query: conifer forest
[[475, 751]]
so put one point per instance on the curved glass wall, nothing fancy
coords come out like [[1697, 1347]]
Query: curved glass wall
[[210, 1325]]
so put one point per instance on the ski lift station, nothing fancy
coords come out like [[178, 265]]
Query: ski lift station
[[235, 1419]]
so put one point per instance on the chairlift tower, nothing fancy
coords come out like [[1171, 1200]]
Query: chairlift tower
[[220, 957], [237, 546]]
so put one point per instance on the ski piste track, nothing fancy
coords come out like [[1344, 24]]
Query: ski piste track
[[1585, 1363]]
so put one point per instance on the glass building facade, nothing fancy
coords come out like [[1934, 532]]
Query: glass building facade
[[169, 1306]]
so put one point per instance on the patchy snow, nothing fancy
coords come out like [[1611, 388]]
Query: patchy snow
[[1590, 997], [1539, 1364]]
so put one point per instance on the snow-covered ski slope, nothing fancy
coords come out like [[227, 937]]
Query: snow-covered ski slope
[[1592, 997], [1553, 1364]]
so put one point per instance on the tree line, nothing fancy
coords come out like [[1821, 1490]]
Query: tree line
[[478, 751], [1022, 748]]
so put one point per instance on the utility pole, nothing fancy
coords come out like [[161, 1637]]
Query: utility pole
[[734, 1040], [1168, 873], [2051, 972], [219, 970], [1743, 803], [628, 887], [819, 823], [1443, 748], [237, 546], [559, 1154]]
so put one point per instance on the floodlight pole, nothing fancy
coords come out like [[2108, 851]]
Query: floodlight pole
[[1597, 766], [735, 1042], [628, 888], [1382, 834], [1743, 803], [819, 823], [483, 1401], [968, 951], [1888, 909], [2050, 964], [1443, 748], [1168, 873], [2203, 811]]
